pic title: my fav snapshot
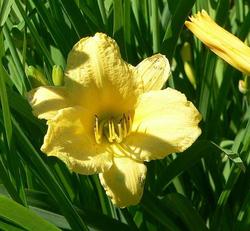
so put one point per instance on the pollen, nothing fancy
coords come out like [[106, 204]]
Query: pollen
[[112, 129]]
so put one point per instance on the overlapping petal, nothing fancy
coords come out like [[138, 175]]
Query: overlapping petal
[[124, 181], [164, 122], [96, 71], [70, 139], [153, 72], [46, 101], [220, 41]]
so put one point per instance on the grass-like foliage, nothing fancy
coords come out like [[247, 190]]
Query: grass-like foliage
[[205, 188]]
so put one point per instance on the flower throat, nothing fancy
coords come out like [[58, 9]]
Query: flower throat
[[111, 129]]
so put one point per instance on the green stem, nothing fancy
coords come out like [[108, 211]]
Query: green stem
[[155, 25]]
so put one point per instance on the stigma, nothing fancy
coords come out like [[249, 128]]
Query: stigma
[[111, 129]]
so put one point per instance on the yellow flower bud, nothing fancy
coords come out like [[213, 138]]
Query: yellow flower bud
[[188, 68], [186, 52], [57, 75], [244, 85]]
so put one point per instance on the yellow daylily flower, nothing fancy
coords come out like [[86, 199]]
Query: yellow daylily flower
[[110, 117], [220, 41]]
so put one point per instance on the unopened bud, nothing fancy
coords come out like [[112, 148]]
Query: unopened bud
[[57, 75], [186, 56], [190, 73], [244, 85], [36, 77]]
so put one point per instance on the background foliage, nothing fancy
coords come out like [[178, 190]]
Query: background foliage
[[205, 188]]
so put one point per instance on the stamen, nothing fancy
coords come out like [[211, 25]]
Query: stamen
[[119, 137], [96, 122], [98, 136], [129, 123], [110, 136], [113, 129], [124, 120]]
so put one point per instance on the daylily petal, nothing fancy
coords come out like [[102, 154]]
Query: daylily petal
[[153, 72], [46, 101], [96, 71], [68, 138], [124, 181], [164, 122], [220, 41]]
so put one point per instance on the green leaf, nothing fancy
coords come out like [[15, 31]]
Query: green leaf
[[76, 18], [234, 156], [53, 218], [154, 24], [47, 178], [178, 11], [19, 104], [182, 207], [185, 161], [4, 98], [11, 154], [23, 217], [39, 41], [154, 207], [5, 8], [6, 225], [17, 62]]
